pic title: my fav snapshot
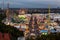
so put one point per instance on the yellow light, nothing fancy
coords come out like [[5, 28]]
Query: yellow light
[[43, 33], [21, 16]]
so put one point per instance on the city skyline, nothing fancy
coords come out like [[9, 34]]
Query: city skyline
[[30, 3]]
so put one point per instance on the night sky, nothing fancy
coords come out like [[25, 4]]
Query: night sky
[[31, 3]]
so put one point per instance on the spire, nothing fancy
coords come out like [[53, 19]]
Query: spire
[[49, 12]]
